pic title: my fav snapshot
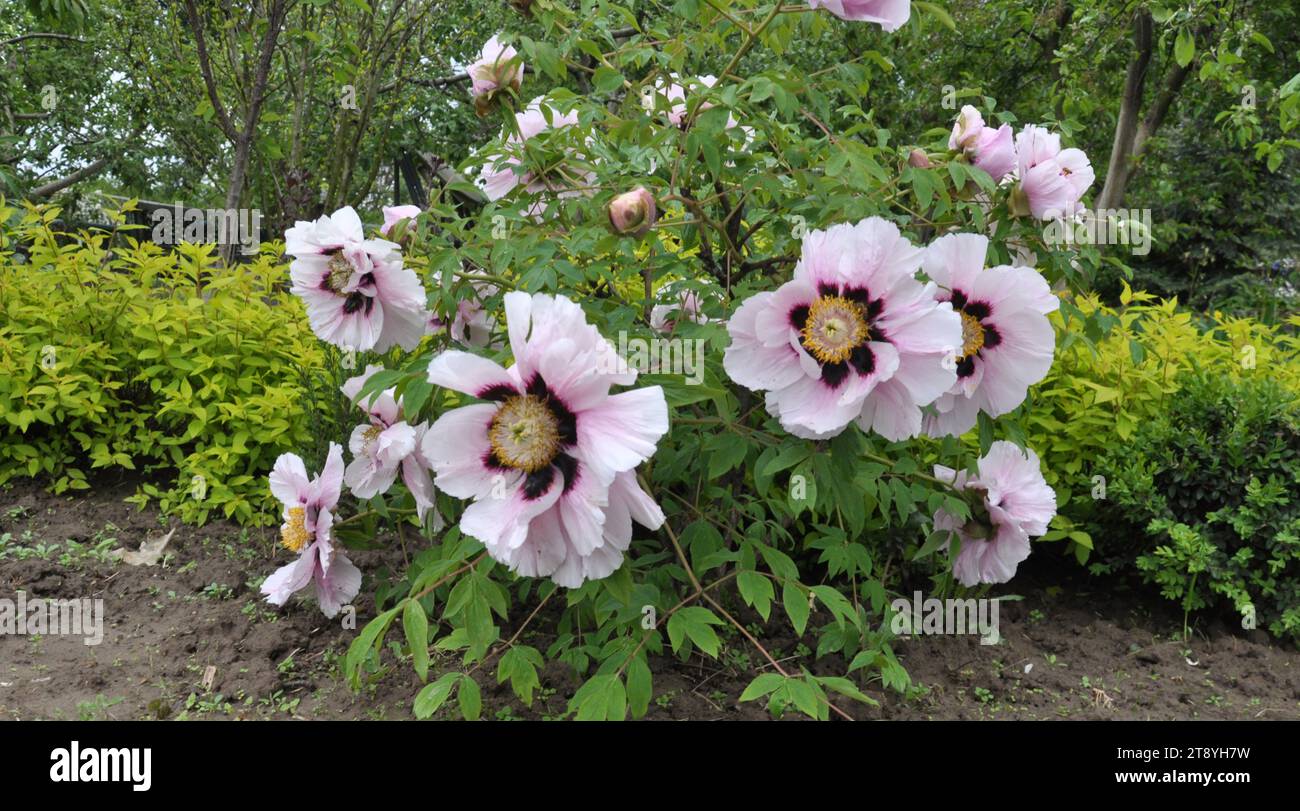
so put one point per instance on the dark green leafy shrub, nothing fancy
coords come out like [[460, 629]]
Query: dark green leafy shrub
[[1214, 482]]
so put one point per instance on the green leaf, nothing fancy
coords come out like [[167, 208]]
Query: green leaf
[[692, 622], [1184, 48], [762, 685], [416, 625], [471, 699], [432, 696], [796, 605], [607, 80], [602, 698], [519, 665], [639, 687], [757, 591]]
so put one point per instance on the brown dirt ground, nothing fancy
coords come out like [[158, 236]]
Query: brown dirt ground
[[1073, 648]]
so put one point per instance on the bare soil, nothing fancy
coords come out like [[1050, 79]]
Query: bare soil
[[191, 638]]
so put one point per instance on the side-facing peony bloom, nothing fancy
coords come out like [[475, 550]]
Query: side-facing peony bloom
[[1014, 504], [664, 317], [888, 14], [854, 336], [1007, 341], [395, 214], [1051, 180], [308, 518], [676, 95], [472, 325], [501, 175], [358, 294], [385, 445], [549, 458], [497, 66], [989, 149]]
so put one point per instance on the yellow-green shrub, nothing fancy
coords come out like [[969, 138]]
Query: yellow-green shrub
[[1102, 387], [130, 356]]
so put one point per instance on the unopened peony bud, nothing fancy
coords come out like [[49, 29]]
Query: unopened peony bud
[[632, 213], [918, 159]]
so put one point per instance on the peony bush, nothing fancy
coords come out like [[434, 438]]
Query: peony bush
[[694, 337]]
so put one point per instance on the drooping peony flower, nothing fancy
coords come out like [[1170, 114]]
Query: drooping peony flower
[[1007, 341], [965, 129], [989, 149], [1052, 180], [664, 317], [549, 458], [632, 213], [854, 336], [308, 519], [473, 324], [888, 14], [395, 214], [497, 66], [1015, 503], [675, 94], [501, 175], [384, 445], [358, 294]]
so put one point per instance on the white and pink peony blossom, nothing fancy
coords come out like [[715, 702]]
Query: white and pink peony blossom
[[358, 294], [472, 325], [888, 14], [990, 149], [1015, 503], [1007, 341], [686, 307], [503, 174], [385, 445], [1052, 180], [853, 337], [308, 518], [549, 458], [497, 66], [395, 214]]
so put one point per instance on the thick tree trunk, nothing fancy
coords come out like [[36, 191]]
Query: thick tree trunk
[[1118, 169]]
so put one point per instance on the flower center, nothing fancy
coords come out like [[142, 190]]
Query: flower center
[[525, 433], [371, 434], [340, 271], [834, 327], [293, 532], [972, 335]]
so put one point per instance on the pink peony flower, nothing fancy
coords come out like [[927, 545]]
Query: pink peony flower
[[358, 294], [306, 530], [966, 129], [549, 459], [472, 325], [1007, 341], [854, 336], [384, 445], [1015, 503], [989, 149], [888, 14], [664, 317], [1052, 180], [501, 175], [676, 96], [395, 214], [497, 66]]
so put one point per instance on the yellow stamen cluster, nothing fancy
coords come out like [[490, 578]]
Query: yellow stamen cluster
[[525, 433], [340, 272], [293, 532], [972, 335], [834, 327]]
